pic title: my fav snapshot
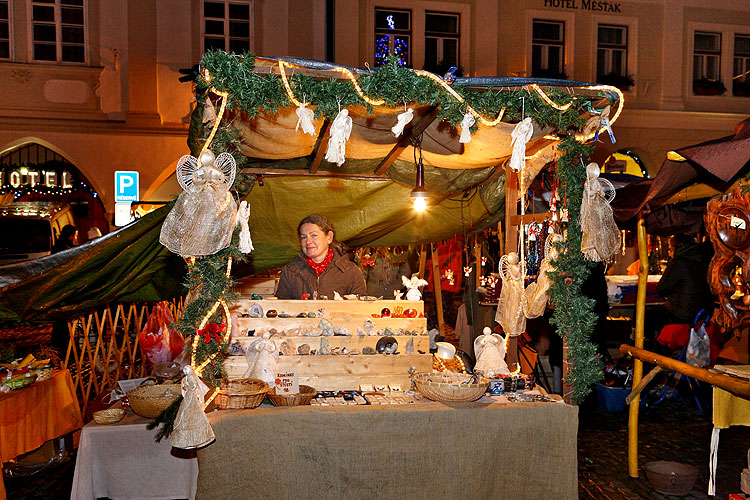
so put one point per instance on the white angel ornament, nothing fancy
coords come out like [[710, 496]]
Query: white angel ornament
[[509, 307], [191, 427], [535, 296], [489, 348], [263, 360], [412, 287], [203, 218], [600, 238]]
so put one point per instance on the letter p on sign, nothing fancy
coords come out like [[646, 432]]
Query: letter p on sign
[[126, 186]]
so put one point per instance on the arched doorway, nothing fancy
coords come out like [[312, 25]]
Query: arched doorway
[[33, 172]]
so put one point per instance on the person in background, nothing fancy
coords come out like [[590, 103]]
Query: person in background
[[684, 284], [68, 239], [322, 268], [384, 276]]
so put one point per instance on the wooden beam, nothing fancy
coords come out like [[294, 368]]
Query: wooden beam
[[642, 385], [640, 311], [422, 261], [511, 209], [515, 220], [413, 131], [317, 154], [280, 172], [477, 260], [436, 286], [737, 386]]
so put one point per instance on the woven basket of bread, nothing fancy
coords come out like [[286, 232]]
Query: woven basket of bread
[[450, 387], [150, 400], [244, 393], [305, 395]]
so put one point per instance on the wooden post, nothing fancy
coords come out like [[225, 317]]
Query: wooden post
[[640, 310], [422, 261], [477, 261], [438, 290]]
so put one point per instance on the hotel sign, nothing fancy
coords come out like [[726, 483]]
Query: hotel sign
[[592, 5], [23, 176]]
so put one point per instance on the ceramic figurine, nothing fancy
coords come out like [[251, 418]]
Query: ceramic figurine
[[263, 360], [489, 349], [412, 286]]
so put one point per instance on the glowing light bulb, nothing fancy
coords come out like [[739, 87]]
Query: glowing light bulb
[[420, 204]]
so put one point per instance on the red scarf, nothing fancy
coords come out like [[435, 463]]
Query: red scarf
[[320, 267]]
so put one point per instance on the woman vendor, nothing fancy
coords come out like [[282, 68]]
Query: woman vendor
[[322, 268]]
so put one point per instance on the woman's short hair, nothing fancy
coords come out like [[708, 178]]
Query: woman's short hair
[[325, 225]]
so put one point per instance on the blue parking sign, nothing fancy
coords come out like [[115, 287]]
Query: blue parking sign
[[126, 186]]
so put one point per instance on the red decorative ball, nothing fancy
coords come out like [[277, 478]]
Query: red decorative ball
[[385, 313], [410, 313]]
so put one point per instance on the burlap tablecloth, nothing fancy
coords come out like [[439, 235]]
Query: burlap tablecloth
[[416, 451]]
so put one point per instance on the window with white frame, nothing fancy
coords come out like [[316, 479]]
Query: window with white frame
[[227, 25], [442, 41], [611, 52], [741, 66], [4, 30], [392, 35], [58, 30], [548, 49], [707, 56]]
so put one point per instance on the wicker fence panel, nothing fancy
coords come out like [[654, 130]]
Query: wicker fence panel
[[103, 348]]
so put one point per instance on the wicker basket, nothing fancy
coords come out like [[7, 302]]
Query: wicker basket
[[244, 393], [449, 387], [150, 400], [109, 416], [302, 398]]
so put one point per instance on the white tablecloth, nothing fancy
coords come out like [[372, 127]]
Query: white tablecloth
[[122, 461]]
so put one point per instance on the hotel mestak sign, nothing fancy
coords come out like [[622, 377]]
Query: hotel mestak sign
[[28, 176], [593, 5]]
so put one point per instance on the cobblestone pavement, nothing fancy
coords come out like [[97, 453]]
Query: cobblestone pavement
[[669, 431]]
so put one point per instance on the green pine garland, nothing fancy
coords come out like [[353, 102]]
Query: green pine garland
[[574, 314], [252, 93]]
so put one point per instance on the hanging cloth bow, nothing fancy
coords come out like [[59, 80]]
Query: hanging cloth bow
[[520, 136]]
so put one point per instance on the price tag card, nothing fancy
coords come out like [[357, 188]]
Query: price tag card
[[738, 223], [287, 383]]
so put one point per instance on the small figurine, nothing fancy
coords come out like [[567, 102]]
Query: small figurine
[[412, 285], [489, 349]]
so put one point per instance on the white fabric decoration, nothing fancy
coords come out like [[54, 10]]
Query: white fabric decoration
[[403, 119], [520, 136], [341, 129], [489, 349], [412, 285], [536, 294], [466, 125], [600, 236], [203, 218], [509, 307], [209, 112], [262, 360], [305, 116], [713, 457], [243, 214], [191, 426]]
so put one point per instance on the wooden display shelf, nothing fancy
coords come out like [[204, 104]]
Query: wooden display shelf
[[261, 325], [333, 308], [351, 342], [344, 372]]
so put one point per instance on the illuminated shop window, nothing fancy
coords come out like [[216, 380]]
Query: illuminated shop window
[[392, 35]]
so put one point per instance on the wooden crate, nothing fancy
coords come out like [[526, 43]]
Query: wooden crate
[[339, 372]]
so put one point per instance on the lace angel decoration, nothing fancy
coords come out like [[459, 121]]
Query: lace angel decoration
[[600, 238], [535, 296], [412, 287], [262, 360], [191, 427], [341, 130], [489, 349], [203, 218], [509, 307]]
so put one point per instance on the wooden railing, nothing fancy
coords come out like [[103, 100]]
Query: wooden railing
[[103, 348]]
